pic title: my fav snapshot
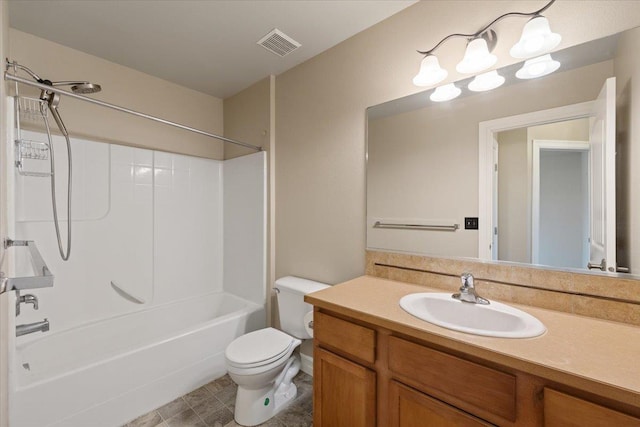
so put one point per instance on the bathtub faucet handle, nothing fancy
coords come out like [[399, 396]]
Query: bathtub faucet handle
[[25, 299]]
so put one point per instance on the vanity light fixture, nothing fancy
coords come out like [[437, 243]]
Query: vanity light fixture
[[477, 57], [537, 39], [430, 72], [538, 67], [486, 81], [445, 93]]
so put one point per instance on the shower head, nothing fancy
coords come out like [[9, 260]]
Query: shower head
[[86, 88], [79, 86]]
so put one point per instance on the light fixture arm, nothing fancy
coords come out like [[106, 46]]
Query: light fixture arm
[[483, 32]]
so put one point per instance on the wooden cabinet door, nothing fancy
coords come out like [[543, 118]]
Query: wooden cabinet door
[[563, 410], [410, 408], [344, 392]]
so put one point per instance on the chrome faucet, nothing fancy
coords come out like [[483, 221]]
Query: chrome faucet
[[25, 299], [30, 328], [468, 291]]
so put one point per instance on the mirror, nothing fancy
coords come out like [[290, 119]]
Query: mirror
[[448, 179]]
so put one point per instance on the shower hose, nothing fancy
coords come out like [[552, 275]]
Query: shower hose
[[64, 254]]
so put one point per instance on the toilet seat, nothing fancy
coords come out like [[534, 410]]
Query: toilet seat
[[259, 348]]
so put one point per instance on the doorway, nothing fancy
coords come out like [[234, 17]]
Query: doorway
[[560, 203]]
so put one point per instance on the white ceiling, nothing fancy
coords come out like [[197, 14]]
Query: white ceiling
[[209, 46]]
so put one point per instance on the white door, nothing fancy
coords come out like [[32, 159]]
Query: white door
[[603, 180]]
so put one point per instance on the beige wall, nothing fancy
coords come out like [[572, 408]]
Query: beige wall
[[627, 72], [320, 111], [247, 118], [572, 130], [128, 88]]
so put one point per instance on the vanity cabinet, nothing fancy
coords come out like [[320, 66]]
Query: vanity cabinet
[[410, 408], [370, 375], [345, 392], [564, 410], [344, 385]]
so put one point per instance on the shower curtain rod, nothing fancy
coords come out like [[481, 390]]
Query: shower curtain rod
[[41, 86]]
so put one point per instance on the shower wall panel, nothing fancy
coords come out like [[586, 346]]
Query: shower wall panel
[[147, 230], [245, 227], [188, 226]]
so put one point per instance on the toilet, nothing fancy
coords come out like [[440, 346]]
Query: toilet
[[262, 362]]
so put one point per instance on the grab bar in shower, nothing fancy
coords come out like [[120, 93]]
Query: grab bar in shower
[[43, 277], [452, 227]]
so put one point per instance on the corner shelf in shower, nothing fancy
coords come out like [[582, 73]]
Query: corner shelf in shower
[[31, 110]]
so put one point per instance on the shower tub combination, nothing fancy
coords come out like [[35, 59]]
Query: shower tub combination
[[108, 372], [133, 326]]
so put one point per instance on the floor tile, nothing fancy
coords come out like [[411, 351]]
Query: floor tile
[[217, 385], [172, 408], [294, 416], [228, 396], [219, 418], [152, 419], [213, 404], [198, 396], [207, 407], [186, 418]]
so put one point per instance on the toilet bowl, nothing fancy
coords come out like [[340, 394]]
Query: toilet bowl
[[262, 362]]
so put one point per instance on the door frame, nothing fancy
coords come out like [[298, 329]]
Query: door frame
[[487, 143]]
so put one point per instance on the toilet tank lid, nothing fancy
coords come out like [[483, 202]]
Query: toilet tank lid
[[298, 284]]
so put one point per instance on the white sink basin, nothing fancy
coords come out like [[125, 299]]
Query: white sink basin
[[493, 320]]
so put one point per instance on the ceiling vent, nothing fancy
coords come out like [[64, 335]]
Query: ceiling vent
[[279, 43]]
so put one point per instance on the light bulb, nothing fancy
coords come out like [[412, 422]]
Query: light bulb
[[430, 72], [476, 57], [486, 81], [445, 93], [538, 67], [536, 39]]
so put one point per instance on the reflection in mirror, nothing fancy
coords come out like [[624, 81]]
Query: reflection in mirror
[[545, 221], [541, 201]]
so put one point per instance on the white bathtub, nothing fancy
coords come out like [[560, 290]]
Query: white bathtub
[[108, 372]]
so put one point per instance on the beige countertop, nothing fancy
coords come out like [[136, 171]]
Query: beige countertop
[[594, 355]]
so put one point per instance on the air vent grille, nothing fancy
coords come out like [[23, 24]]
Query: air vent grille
[[278, 42]]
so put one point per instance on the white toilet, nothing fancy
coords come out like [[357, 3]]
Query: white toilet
[[262, 362]]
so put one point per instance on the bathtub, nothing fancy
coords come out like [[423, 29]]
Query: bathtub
[[108, 372]]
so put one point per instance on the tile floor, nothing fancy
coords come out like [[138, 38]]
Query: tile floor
[[212, 406]]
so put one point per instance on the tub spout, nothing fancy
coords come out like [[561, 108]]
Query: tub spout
[[30, 328]]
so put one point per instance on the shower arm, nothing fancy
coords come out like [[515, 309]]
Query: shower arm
[[45, 87]]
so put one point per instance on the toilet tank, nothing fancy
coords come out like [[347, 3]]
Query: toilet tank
[[291, 305]]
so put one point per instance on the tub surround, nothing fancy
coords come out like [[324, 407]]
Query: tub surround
[[186, 223], [594, 359]]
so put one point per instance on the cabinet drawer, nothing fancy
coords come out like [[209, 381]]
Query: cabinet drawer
[[344, 337], [410, 408], [568, 411], [465, 384]]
